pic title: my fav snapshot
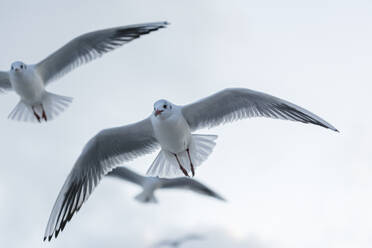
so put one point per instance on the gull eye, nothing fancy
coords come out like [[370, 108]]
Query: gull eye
[[21, 66], [164, 106], [12, 68]]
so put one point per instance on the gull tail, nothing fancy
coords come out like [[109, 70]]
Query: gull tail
[[166, 165], [145, 197], [52, 104], [22, 112], [55, 104]]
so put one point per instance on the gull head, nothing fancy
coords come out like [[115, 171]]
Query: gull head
[[18, 67], [163, 109]]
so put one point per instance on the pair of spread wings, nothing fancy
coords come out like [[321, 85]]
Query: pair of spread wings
[[84, 49], [116, 145], [164, 183]]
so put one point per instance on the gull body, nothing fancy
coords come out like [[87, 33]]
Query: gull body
[[149, 186], [26, 82], [172, 128], [178, 145], [29, 80]]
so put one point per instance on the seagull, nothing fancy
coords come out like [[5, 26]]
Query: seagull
[[178, 242], [171, 128], [150, 184], [29, 81]]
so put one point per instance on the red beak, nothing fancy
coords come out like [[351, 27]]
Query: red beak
[[158, 112]]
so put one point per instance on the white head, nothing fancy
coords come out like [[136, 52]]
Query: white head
[[163, 109], [18, 67]]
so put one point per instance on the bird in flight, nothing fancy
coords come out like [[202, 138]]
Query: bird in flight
[[171, 128], [178, 242], [29, 80], [151, 184]]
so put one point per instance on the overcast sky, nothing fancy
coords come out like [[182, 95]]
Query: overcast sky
[[288, 185]]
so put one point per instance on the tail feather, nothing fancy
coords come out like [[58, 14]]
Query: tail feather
[[53, 105], [166, 165], [22, 112], [144, 197]]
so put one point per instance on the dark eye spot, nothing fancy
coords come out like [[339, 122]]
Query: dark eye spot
[[164, 106], [12, 68], [21, 66]]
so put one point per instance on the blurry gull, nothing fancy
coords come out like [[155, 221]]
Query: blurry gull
[[178, 242], [151, 184], [29, 81], [170, 126]]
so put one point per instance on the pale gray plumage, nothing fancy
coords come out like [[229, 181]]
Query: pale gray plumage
[[116, 145], [163, 183], [4, 81], [107, 149], [90, 46], [238, 103], [127, 175], [30, 81]]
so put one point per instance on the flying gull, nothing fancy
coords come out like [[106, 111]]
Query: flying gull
[[170, 127], [151, 184], [178, 242], [29, 81]]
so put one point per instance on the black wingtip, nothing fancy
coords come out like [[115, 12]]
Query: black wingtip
[[332, 128], [220, 198]]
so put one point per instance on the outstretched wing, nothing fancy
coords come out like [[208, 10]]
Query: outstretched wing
[[238, 103], [90, 46], [190, 184], [4, 81], [102, 153], [126, 174]]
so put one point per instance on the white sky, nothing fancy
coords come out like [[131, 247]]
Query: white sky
[[287, 184]]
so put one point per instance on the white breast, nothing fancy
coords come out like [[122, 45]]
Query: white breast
[[172, 133], [28, 85]]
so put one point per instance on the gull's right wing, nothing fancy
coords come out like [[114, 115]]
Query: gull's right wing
[[4, 81], [127, 175], [100, 155]]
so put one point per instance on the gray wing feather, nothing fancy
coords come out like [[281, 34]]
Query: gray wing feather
[[90, 46], [102, 153], [126, 174], [4, 81], [190, 184], [238, 103]]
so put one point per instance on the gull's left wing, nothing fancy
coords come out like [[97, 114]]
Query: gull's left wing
[[90, 46], [238, 103], [190, 184]]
